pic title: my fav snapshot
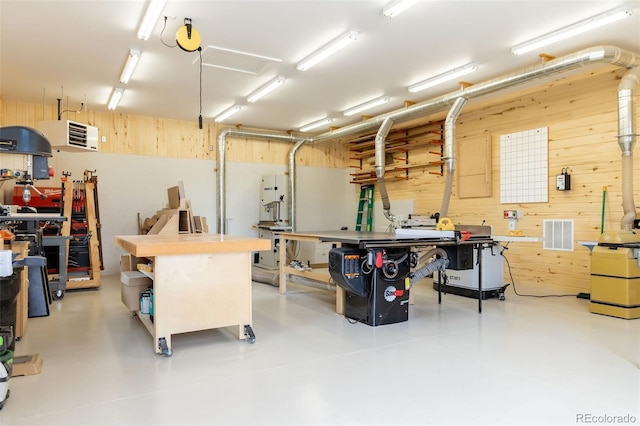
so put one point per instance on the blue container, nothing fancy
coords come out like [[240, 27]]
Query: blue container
[[151, 310]]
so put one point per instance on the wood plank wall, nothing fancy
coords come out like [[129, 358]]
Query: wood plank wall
[[580, 112], [581, 115], [163, 137]]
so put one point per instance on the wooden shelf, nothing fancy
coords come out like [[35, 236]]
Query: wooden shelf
[[434, 128], [422, 139], [392, 147], [314, 275], [146, 320]]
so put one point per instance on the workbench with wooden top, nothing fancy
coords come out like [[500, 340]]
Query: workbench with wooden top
[[200, 282]]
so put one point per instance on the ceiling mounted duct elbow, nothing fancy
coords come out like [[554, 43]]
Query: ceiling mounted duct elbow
[[187, 37], [23, 140]]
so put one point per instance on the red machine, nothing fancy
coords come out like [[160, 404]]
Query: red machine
[[50, 204]]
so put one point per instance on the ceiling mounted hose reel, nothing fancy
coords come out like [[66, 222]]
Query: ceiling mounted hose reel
[[187, 37]]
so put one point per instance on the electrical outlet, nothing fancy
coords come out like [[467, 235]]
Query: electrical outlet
[[512, 214]]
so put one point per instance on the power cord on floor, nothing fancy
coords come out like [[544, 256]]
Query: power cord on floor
[[513, 283]]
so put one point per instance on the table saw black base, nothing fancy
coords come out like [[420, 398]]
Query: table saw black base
[[387, 302]]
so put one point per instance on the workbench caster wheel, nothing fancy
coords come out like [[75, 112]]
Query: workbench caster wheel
[[58, 295], [162, 345], [248, 331], [501, 296]]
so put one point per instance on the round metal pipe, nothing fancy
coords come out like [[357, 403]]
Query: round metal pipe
[[449, 151], [600, 54], [381, 137], [627, 140], [292, 184], [221, 171]]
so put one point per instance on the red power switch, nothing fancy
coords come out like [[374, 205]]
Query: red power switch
[[379, 259]]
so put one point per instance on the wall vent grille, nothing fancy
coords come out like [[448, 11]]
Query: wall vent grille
[[558, 234]]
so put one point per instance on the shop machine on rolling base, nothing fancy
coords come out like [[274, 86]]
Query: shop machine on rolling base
[[461, 278], [615, 275]]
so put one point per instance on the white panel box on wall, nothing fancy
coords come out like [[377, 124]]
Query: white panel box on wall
[[66, 135]]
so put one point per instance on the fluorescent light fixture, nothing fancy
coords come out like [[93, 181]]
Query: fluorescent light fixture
[[367, 105], [328, 49], [227, 113], [151, 15], [573, 29], [273, 84], [237, 52], [441, 78], [115, 97], [316, 124], [129, 66], [246, 62], [397, 7]]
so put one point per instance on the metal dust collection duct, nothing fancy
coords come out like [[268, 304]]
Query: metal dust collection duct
[[603, 54], [449, 151], [381, 137], [627, 140]]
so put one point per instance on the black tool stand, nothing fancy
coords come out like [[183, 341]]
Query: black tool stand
[[28, 227], [39, 292], [59, 285]]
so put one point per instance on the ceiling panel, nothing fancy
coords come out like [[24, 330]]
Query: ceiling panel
[[76, 50]]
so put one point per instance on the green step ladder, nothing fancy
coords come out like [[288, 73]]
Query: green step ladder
[[366, 200]]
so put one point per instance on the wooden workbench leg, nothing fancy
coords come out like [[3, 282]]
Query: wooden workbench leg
[[282, 287], [340, 299]]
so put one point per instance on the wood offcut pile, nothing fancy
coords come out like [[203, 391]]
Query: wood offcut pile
[[176, 218]]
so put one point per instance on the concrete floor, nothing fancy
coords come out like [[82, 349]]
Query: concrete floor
[[523, 361]]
